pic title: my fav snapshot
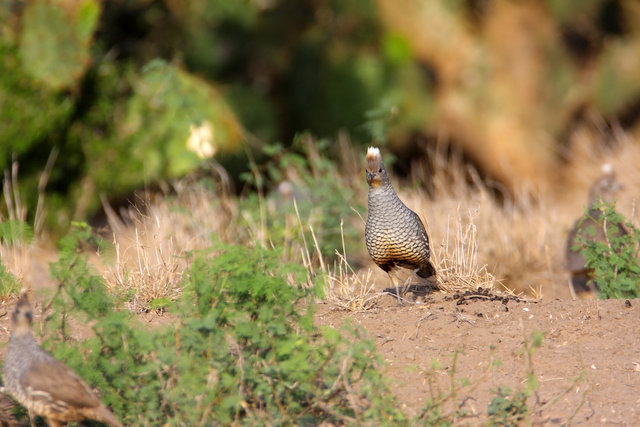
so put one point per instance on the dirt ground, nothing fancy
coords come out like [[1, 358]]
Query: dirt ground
[[588, 367]]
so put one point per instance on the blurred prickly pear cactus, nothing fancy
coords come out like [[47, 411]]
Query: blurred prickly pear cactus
[[56, 37], [164, 129], [175, 119], [28, 113]]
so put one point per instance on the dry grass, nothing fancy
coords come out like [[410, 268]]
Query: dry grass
[[151, 246], [347, 289], [457, 258], [517, 242], [477, 241], [16, 260], [147, 266]]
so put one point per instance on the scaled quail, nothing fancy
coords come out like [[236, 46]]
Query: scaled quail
[[394, 234], [603, 189], [44, 385]]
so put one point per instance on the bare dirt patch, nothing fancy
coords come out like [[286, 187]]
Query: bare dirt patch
[[588, 367]]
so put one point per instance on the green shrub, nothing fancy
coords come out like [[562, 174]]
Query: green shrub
[[9, 285], [614, 262], [509, 407], [14, 234], [242, 348], [14, 231]]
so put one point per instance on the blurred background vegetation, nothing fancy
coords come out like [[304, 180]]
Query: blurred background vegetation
[[117, 95]]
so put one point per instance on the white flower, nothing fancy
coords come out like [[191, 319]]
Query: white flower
[[201, 140]]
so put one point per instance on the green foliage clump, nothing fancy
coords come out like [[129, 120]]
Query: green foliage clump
[[509, 407], [9, 285], [614, 263], [15, 231], [242, 348]]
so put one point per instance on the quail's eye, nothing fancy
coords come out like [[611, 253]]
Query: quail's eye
[[380, 170]]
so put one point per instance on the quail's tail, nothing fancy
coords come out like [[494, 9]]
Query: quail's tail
[[427, 270], [106, 416]]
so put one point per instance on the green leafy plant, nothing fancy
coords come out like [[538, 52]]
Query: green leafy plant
[[509, 407], [9, 285], [29, 111], [613, 260], [15, 239], [435, 412], [242, 349], [14, 231]]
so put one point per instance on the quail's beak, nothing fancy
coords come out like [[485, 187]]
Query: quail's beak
[[370, 176]]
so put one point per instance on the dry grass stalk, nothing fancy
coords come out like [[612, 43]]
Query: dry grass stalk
[[38, 223], [304, 251], [347, 289], [457, 260], [147, 267]]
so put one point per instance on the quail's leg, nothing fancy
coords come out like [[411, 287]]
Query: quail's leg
[[394, 283], [572, 289], [410, 281]]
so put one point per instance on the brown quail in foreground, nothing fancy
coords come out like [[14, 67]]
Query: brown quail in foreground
[[394, 234], [44, 385], [602, 190]]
